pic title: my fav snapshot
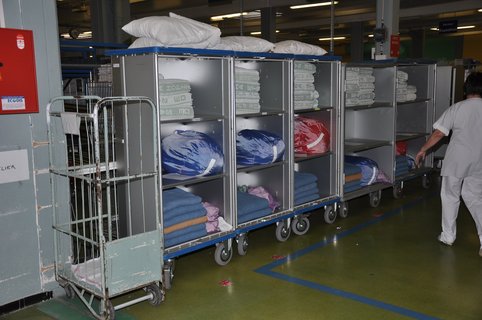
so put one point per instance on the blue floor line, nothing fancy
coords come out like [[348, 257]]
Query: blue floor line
[[267, 269]]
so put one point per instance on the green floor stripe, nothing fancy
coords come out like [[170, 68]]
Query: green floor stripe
[[62, 308]]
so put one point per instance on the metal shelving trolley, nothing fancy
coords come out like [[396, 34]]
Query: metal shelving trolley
[[192, 89], [415, 109], [263, 140], [369, 127], [106, 206], [317, 131]]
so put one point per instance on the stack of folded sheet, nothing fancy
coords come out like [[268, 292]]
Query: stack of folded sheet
[[175, 100], [405, 92], [360, 86], [184, 217], [305, 95], [402, 165], [251, 207], [247, 90], [353, 176], [306, 187]]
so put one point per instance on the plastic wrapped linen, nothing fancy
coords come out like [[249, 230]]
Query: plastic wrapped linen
[[311, 136], [191, 153], [254, 147]]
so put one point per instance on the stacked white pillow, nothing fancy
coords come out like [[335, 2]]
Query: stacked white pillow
[[244, 43], [405, 92], [297, 47], [360, 86], [305, 95], [172, 31]]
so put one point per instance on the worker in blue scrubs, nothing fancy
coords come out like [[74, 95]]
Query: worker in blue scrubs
[[462, 166]]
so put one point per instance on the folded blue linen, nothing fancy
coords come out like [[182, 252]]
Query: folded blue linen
[[306, 187], [351, 169], [184, 238], [253, 215], [190, 229], [306, 198], [306, 193], [303, 178], [248, 203], [184, 216], [352, 188], [176, 197], [182, 209]]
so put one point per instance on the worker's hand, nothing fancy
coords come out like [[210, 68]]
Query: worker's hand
[[418, 159]]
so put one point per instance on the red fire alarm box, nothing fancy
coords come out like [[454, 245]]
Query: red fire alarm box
[[18, 81]]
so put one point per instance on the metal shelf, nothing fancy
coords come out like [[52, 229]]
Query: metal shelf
[[299, 157], [413, 101], [355, 145], [258, 167], [404, 136], [174, 180], [198, 118], [296, 111], [371, 106], [261, 114]]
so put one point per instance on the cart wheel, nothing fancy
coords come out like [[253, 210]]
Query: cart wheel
[[109, 312], [397, 190], [168, 274], [222, 255], [300, 225], [375, 198], [425, 181], [69, 291], [242, 240], [157, 294], [283, 232], [330, 214], [343, 209]]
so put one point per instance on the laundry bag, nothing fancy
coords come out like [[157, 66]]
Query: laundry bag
[[311, 136], [255, 147], [191, 153]]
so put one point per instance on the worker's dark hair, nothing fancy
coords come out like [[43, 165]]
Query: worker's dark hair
[[473, 84]]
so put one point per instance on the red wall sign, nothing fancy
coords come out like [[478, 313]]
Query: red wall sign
[[395, 46], [18, 81]]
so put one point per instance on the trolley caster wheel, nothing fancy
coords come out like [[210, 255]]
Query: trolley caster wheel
[[223, 254], [343, 209], [156, 293], [300, 225], [69, 291], [242, 244], [330, 214], [375, 198], [397, 191], [425, 182], [109, 311], [283, 231], [168, 274]]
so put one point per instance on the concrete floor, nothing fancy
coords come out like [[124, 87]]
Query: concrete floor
[[379, 263]]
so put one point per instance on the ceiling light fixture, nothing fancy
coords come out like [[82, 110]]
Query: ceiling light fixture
[[334, 38], [480, 10], [254, 33], [458, 28], [319, 4]]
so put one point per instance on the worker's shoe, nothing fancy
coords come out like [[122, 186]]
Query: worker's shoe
[[439, 238]]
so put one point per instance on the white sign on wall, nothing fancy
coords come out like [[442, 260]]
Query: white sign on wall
[[2, 16], [14, 166]]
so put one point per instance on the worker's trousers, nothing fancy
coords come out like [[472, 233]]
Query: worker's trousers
[[470, 189]]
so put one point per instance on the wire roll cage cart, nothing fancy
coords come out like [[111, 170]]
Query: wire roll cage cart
[[96, 191]]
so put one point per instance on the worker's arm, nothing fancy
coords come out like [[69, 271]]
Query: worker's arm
[[432, 140]]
